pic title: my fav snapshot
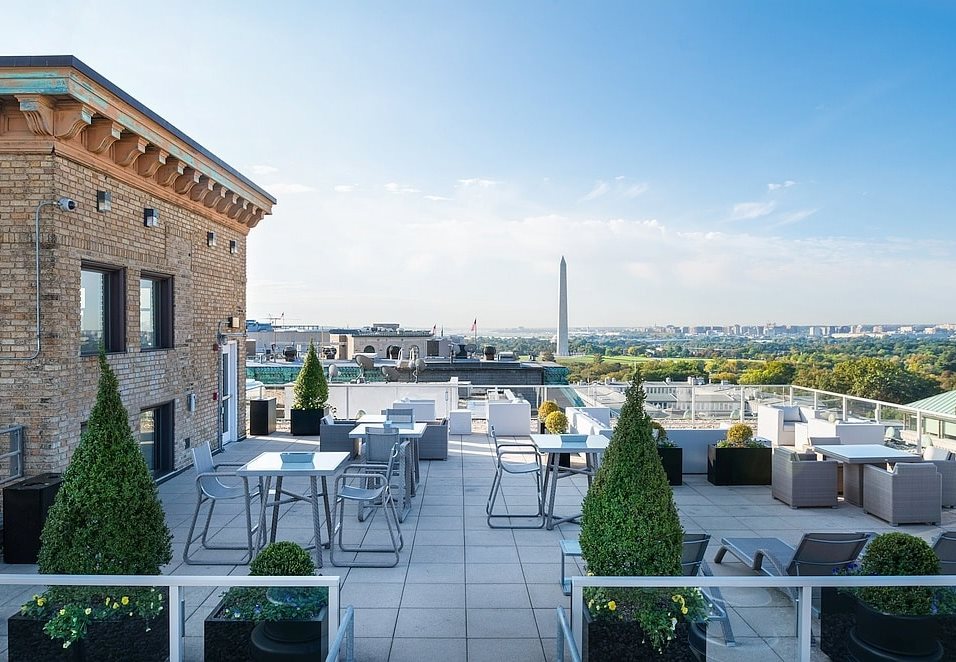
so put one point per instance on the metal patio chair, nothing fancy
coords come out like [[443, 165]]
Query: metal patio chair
[[520, 460], [379, 443], [692, 563], [210, 489]]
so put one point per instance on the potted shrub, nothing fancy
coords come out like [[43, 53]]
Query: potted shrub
[[556, 422], [544, 409], [739, 459], [227, 630], [311, 393], [106, 520], [672, 456], [630, 527]]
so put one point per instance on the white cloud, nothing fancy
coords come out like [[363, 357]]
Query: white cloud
[[344, 188], [476, 182], [636, 189], [600, 188], [436, 198], [395, 187], [620, 178], [795, 216], [286, 188], [263, 169], [746, 211], [785, 184]]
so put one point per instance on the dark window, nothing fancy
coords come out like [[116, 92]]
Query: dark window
[[156, 312], [156, 438], [102, 309]]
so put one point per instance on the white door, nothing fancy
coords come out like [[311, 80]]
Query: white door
[[229, 395]]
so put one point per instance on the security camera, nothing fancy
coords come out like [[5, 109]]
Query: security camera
[[66, 204]]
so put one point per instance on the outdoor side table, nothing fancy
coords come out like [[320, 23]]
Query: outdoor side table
[[591, 446], [569, 548], [269, 465], [459, 421]]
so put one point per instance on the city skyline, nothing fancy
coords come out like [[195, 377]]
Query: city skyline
[[693, 161]]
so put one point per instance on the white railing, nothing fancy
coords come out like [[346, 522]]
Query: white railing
[[804, 585], [11, 460], [565, 638], [175, 584], [345, 635]]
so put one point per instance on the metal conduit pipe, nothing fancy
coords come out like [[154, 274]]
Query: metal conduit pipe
[[66, 204]]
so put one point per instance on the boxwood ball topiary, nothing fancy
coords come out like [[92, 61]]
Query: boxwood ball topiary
[[739, 434], [311, 389], [629, 524], [107, 518], [556, 422], [893, 554], [546, 408], [280, 559]]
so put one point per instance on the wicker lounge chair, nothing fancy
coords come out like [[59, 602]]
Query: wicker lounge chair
[[802, 481], [911, 493], [945, 548]]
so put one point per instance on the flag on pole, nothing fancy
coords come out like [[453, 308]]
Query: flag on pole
[[474, 325]]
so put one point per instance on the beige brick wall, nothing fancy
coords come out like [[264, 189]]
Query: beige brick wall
[[52, 395]]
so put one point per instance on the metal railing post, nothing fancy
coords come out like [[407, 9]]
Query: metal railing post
[[577, 614], [845, 408], [176, 627], [803, 622]]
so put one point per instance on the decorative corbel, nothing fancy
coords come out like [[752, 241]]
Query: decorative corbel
[[101, 135], [150, 162], [186, 181], [238, 209], [129, 148], [38, 111], [225, 205], [167, 174], [217, 195], [256, 217], [70, 118], [203, 187]]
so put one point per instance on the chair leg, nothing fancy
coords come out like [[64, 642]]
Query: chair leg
[[387, 502], [539, 515], [201, 538]]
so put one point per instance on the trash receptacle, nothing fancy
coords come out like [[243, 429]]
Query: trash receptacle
[[25, 507], [262, 416]]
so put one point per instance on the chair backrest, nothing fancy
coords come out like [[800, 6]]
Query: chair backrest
[[203, 463], [825, 441], [914, 471], [945, 548], [692, 552], [935, 453], [819, 554], [400, 416], [379, 442]]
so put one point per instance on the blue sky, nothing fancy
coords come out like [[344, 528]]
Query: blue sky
[[697, 162]]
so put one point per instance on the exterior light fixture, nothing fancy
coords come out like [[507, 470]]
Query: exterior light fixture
[[233, 246], [104, 201], [151, 217], [210, 238]]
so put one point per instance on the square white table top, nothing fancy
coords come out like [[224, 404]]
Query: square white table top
[[416, 431], [270, 464], [560, 443], [866, 453]]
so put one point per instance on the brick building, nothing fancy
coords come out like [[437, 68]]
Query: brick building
[[151, 265]]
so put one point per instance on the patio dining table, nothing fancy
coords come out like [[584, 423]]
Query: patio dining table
[[554, 445], [413, 432], [854, 457], [314, 466]]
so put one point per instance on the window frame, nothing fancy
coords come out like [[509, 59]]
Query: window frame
[[114, 304], [164, 436], [163, 312]]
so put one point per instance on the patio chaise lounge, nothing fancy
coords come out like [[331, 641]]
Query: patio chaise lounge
[[818, 554]]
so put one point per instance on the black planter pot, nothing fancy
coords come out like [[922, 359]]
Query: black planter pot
[[305, 422], [291, 641], [879, 637], [673, 461], [739, 466], [229, 639], [623, 641], [564, 459], [105, 641]]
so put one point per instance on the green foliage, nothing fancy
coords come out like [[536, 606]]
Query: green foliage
[[886, 379], [281, 559], [546, 408], [311, 389], [556, 422], [546, 355], [657, 610], [899, 554], [774, 372], [738, 436], [107, 518], [660, 436]]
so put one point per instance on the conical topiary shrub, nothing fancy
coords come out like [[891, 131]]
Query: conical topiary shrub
[[311, 393], [630, 527], [107, 518]]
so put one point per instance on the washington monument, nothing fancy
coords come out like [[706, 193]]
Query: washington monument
[[563, 310]]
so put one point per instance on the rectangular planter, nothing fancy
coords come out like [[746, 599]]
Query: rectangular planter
[[739, 466], [305, 422], [227, 639], [673, 461], [105, 641], [624, 640], [262, 416], [25, 507]]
